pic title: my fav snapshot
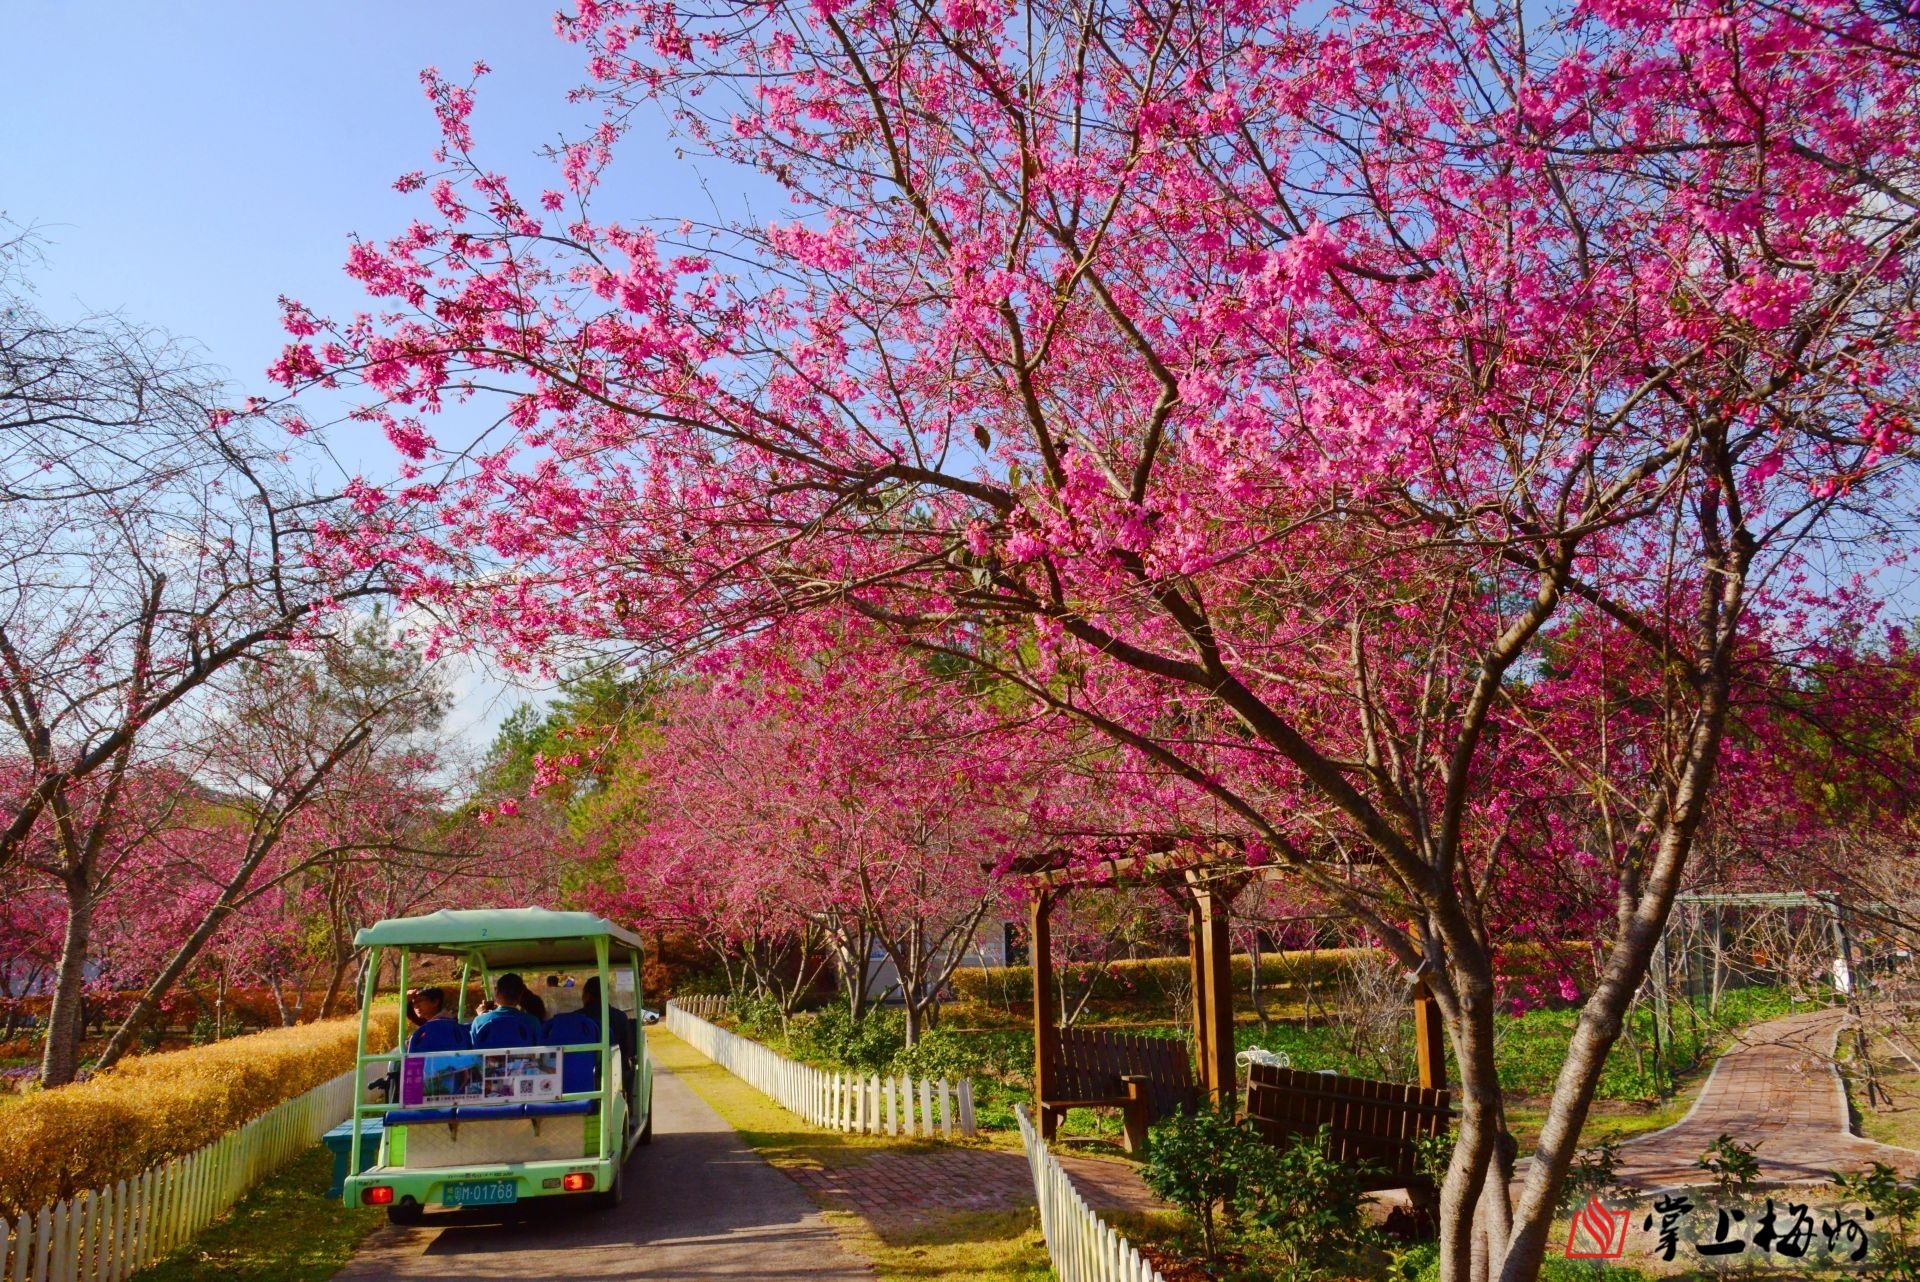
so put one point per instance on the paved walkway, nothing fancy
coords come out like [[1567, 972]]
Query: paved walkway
[[1777, 1088], [894, 1188], [699, 1204]]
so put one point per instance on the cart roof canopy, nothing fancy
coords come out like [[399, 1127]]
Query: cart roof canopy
[[504, 937]]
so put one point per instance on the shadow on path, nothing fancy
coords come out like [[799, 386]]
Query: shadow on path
[[699, 1204]]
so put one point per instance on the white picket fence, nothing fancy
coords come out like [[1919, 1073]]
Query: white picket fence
[[864, 1104], [110, 1234], [1082, 1246]]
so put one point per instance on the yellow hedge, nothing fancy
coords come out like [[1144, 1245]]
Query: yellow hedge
[[1156, 977], [1159, 978], [152, 1108]]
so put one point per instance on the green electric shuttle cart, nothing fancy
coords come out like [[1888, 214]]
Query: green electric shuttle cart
[[496, 1126]]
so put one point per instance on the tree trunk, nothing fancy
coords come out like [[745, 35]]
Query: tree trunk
[[914, 1015], [162, 984], [339, 977], [1481, 1116], [1601, 1018], [854, 954], [1253, 985], [60, 1055]]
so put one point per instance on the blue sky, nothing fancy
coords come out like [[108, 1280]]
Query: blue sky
[[187, 163]]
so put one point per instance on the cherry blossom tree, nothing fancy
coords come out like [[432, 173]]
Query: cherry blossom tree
[[315, 758], [1412, 429], [152, 538], [830, 796]]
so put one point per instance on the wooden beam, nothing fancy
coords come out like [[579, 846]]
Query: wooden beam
[[1429, 1029], [1210, 953], [1213, 915], [1045, 1039], [1429, 1038], [1200, 974]]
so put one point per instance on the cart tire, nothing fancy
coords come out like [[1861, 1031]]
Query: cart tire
[[406, 1214], [612, 1198]]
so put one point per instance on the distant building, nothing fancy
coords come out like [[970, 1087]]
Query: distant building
[[997, 945]]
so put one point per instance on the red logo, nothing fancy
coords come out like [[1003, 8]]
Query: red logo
[[1597, 1233]]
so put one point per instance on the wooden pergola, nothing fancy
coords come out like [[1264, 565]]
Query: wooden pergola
[[1205, 885]]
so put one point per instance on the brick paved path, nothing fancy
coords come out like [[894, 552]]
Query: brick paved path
[[893, 1187], [1776, 1088]]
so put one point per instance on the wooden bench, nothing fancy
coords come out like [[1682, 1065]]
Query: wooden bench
[[1147, 1078], [1372, 1124]]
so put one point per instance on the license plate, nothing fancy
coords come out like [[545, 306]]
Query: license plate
[[481, 1193]]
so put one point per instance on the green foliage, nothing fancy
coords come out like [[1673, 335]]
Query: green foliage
[[1532, 1046], [600, 718], [1594, 1172], [1896, 1213], [1297, 1208], [1431, 1153], [1306, 1203], [757, 1017], [940, 1053], [1732, 1166], [1194, 1161], [832, 1036], [706, 983]]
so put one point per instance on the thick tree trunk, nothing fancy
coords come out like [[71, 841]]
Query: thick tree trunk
[[1481, 1116], [60, 1054]]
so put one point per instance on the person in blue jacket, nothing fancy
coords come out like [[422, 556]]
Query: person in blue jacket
[[509, 1022], [438, 1030], [581, 1071], [621, 1025]]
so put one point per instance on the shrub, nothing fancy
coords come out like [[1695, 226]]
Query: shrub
[[1001, 1056], [1897, 1208], [831, 1036], [1297, 1203], [756, 1017], [152, 1108], [1594, 1172], [1732, 1166], [1194, 1160], [1306, 1202]]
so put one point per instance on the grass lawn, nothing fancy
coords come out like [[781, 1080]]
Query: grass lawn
[[990, 1246], [1610, 1119], [285, 1230], [990, 1044], [1898, 1122]]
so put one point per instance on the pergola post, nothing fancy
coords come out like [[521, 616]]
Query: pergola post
[[1429, 1029], [1045, 1041], [1429, 1038], [1210, 954]]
